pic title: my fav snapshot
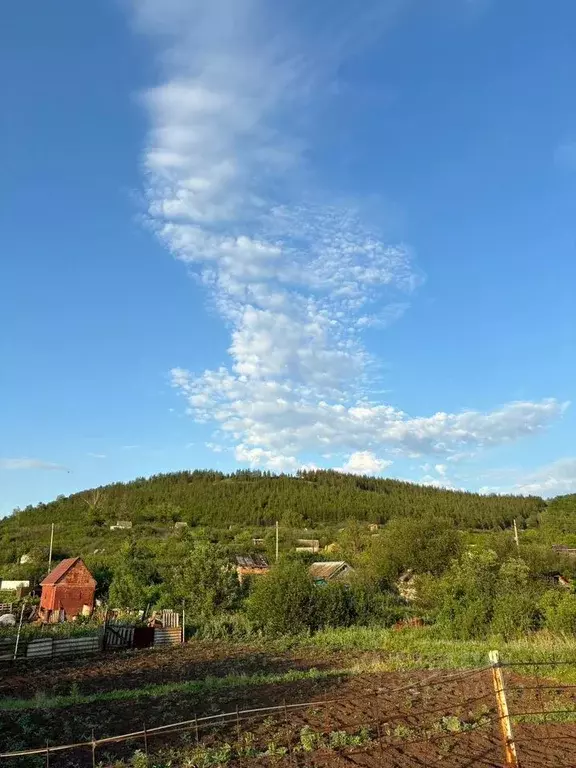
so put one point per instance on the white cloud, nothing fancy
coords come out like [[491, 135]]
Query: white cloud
[[296, 282], [364, 463], [552, 480], [25, 463], [441, 469], [97, 455]]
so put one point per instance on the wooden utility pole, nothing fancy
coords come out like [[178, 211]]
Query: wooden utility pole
[[51, 543], [503, 714], [516, 539], [276, 540]]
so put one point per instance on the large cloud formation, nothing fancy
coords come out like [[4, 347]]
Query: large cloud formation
[[296, 283]]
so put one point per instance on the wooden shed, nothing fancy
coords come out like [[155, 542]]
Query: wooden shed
[[68, 588], [251, 565]]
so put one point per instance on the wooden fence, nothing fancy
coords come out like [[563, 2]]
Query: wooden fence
[[109, 637]]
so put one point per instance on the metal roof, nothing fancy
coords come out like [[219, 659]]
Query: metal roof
[[256, 561], [329, 570], [60, 571]]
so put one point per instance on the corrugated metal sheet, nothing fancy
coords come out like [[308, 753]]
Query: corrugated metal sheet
[[167, 635], [330, 570], [254, 561]]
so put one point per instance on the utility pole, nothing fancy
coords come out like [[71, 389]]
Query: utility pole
[[516, 539], [276, 540], [51, 543]]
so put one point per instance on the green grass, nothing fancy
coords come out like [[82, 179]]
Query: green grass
[[200, 687], [424, 649], [395, 651]]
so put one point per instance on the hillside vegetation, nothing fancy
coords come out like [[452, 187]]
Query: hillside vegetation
[[471, 578]]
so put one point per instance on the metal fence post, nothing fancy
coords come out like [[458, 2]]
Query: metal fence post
[[510, 753]]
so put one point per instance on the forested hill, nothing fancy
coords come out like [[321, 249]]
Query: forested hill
[[258, 498]]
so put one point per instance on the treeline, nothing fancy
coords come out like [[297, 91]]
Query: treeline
[[260, 498]]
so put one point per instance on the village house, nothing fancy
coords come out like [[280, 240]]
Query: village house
[[251, 565], [323, 573], [68, 591]]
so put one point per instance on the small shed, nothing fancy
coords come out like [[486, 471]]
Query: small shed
[[69, 587], [307, 545], [254, 565], [322, 573]]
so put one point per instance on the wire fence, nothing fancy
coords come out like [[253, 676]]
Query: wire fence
[[506, 713]]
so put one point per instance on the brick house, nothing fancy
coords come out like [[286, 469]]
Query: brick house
[[68, 588]]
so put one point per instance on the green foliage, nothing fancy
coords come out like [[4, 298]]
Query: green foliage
[[203, 581], [247, 498], [515, 610], [423, 546], [559, 609], [558, 521], [283, 602], [135, 580]]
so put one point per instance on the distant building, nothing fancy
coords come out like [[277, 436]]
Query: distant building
[[257, 542], [254, 565], [373, 527], [25, 559], [322, 573], [121, 525], [308, 545], [67, 591], [180, 526], [562, 549], [13, 586]]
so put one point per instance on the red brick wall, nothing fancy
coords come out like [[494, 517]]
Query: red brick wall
[[72, 592]]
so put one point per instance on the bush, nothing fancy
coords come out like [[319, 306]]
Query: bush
[[515, 609], [229, 626], [559, 611], [283, 602]]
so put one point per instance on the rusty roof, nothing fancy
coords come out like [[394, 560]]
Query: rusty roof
[[60, 571], [328, 570]]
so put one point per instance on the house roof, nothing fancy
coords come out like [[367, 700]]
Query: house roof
[[60, 571], [256, 561], [329, 570]]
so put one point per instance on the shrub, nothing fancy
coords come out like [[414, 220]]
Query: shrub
[[283, 602], [559, 610]]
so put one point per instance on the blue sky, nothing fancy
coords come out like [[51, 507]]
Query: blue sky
[[244, 233]]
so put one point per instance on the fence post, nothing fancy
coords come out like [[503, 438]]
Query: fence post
[[503, 714], [19, 630]]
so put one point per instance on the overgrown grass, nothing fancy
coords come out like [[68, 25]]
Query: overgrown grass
[[388, 651], [199, 687], [425, 649]]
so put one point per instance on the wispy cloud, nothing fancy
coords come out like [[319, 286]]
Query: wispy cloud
[[97, 455], [551, 480], [296, 282], [25, 463]]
